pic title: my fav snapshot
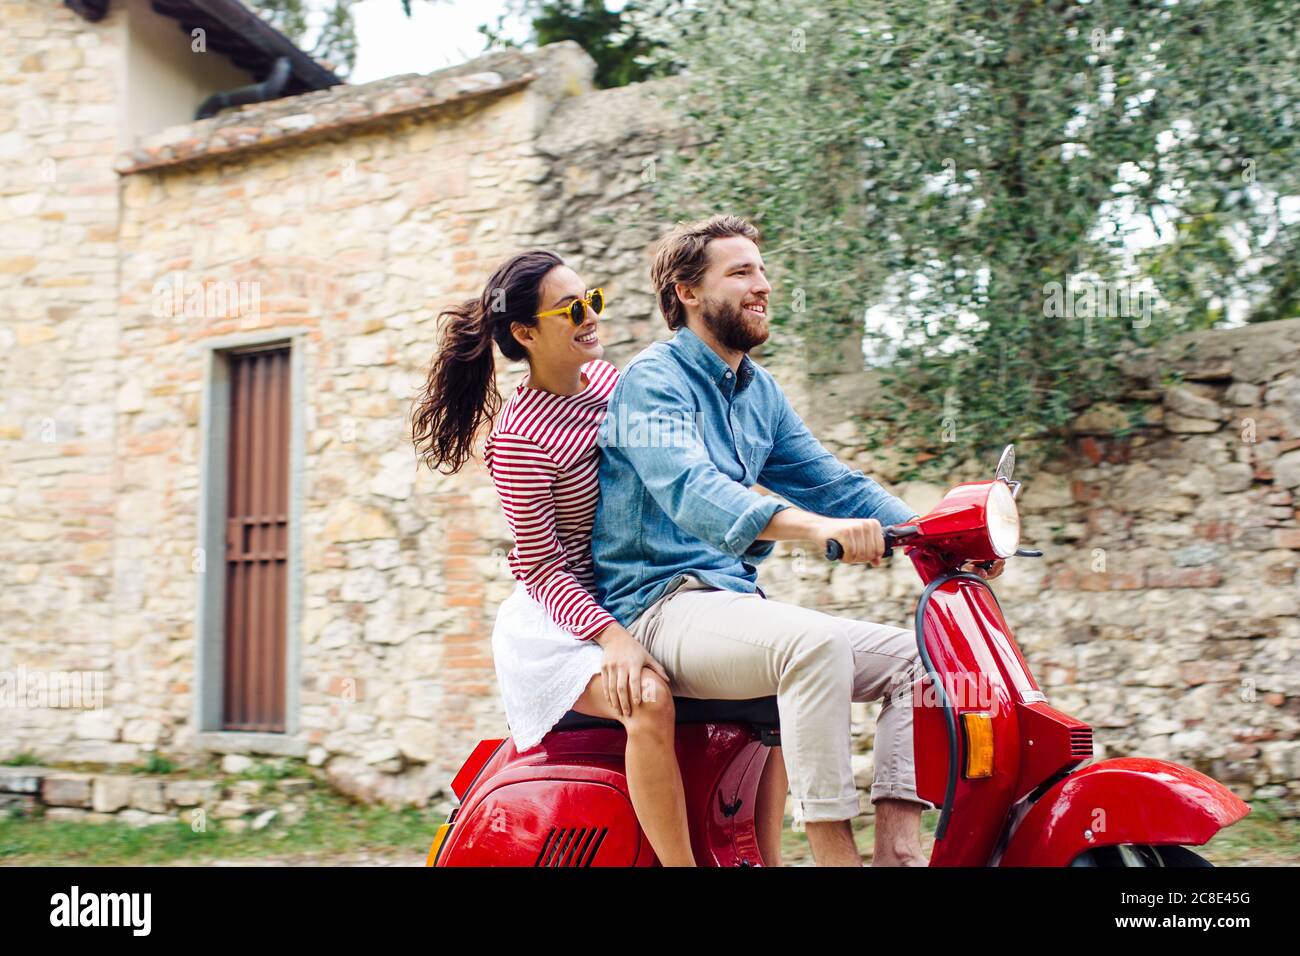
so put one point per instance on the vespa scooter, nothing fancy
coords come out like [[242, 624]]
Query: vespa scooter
[[1004, 768]]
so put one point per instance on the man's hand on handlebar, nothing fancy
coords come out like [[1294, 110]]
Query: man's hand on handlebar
[[861, 538]]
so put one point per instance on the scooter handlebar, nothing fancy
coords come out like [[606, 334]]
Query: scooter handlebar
[[893, 533]]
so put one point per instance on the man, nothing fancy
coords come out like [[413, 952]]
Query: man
[[678, 534]]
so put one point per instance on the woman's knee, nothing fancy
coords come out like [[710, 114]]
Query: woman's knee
[[656, 712]]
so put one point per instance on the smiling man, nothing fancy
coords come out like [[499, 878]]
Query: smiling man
[[679, 532]]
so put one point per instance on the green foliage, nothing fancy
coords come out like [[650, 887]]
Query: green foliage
[[933, 177], [272, 770], [623, 54], [156, 763], [327, 24], [23, 759]]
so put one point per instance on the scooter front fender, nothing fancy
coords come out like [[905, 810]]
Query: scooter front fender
[[1126, 800]]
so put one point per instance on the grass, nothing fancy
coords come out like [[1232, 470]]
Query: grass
[[1262, 839], [794, 846], [332, 824]]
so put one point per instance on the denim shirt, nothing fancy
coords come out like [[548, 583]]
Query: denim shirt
[[683, 440]]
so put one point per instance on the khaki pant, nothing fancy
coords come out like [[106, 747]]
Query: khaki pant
[[719, 644]]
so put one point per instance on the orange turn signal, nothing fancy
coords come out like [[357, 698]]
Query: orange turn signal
[[979, 745], [437, 844]]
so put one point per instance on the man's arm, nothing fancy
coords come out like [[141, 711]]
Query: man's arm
[[801, 470], [862, 539], [682, 479]]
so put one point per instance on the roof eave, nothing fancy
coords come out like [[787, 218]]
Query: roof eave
[[271, 41]]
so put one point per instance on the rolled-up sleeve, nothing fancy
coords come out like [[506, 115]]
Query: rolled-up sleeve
[[803, 471], [681, 477]]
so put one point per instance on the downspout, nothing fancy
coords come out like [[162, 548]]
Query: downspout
[[269, 89]]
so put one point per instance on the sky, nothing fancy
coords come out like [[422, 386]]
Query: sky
[[439, 33]]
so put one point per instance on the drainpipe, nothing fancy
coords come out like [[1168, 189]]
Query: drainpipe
[[269, 89]]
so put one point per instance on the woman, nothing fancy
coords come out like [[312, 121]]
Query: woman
[[555, 648]]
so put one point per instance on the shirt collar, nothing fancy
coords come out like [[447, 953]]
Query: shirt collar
[[698, 353]]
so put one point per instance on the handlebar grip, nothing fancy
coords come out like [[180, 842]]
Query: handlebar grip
[[893, 532]]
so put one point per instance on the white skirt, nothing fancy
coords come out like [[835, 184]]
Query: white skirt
[[542, 669]]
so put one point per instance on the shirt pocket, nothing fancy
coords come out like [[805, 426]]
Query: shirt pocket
[[753, 443]]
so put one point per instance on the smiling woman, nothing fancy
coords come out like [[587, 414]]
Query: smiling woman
[[565, 332], [555, 648], [459, 394]]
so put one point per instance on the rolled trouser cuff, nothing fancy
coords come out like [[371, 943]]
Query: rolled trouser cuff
[[828, 811], [892, 791]]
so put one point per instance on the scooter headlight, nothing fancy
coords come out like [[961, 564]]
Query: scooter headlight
[[1003, 520]]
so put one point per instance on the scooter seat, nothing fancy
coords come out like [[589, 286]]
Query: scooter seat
[[760, 712]]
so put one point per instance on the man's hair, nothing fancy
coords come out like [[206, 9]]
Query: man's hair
[[682, 256]]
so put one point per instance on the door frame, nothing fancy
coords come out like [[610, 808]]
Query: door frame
[[214, 440]]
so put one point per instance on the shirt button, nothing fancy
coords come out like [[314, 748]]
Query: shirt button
[[726, 375]]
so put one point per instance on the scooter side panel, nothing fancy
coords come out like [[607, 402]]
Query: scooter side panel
[[547, 822], [721, 767], [973, 682], [1126, 800], [574, 783]]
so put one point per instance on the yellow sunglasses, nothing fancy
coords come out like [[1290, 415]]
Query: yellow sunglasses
[[577, 309]]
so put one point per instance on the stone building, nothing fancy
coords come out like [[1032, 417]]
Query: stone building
[[216, 329]]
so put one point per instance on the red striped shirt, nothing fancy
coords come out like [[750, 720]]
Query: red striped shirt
[[542, 456]]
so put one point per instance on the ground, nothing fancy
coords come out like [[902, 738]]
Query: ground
[[1262, 839], [338, 832]]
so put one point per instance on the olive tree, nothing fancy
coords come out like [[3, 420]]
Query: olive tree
[[997, 200]]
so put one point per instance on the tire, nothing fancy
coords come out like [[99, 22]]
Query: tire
[[1137, 854], [1181, 856]]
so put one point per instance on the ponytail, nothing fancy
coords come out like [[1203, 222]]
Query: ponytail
[[459, 395]]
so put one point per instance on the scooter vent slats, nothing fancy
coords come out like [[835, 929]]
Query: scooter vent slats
[[1081, 742], [571, 846]]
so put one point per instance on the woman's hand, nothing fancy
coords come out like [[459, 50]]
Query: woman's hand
[[625, 656], [988, 574]]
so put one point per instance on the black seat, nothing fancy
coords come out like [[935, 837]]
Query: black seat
[[760, 712]]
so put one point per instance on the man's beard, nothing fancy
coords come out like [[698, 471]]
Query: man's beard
[[732, 326]]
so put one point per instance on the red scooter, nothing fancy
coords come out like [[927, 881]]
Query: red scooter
[[1003, 767]]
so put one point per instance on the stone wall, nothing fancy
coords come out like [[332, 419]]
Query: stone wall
[[223, 800], [59, 201], [356, 241], [1164, 612]]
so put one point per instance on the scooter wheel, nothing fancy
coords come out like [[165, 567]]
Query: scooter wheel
[[1132, 854]]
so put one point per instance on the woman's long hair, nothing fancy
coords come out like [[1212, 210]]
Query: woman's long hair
[[459, 394]]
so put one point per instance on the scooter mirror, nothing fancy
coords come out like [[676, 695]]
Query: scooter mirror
[[1006, 464]]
